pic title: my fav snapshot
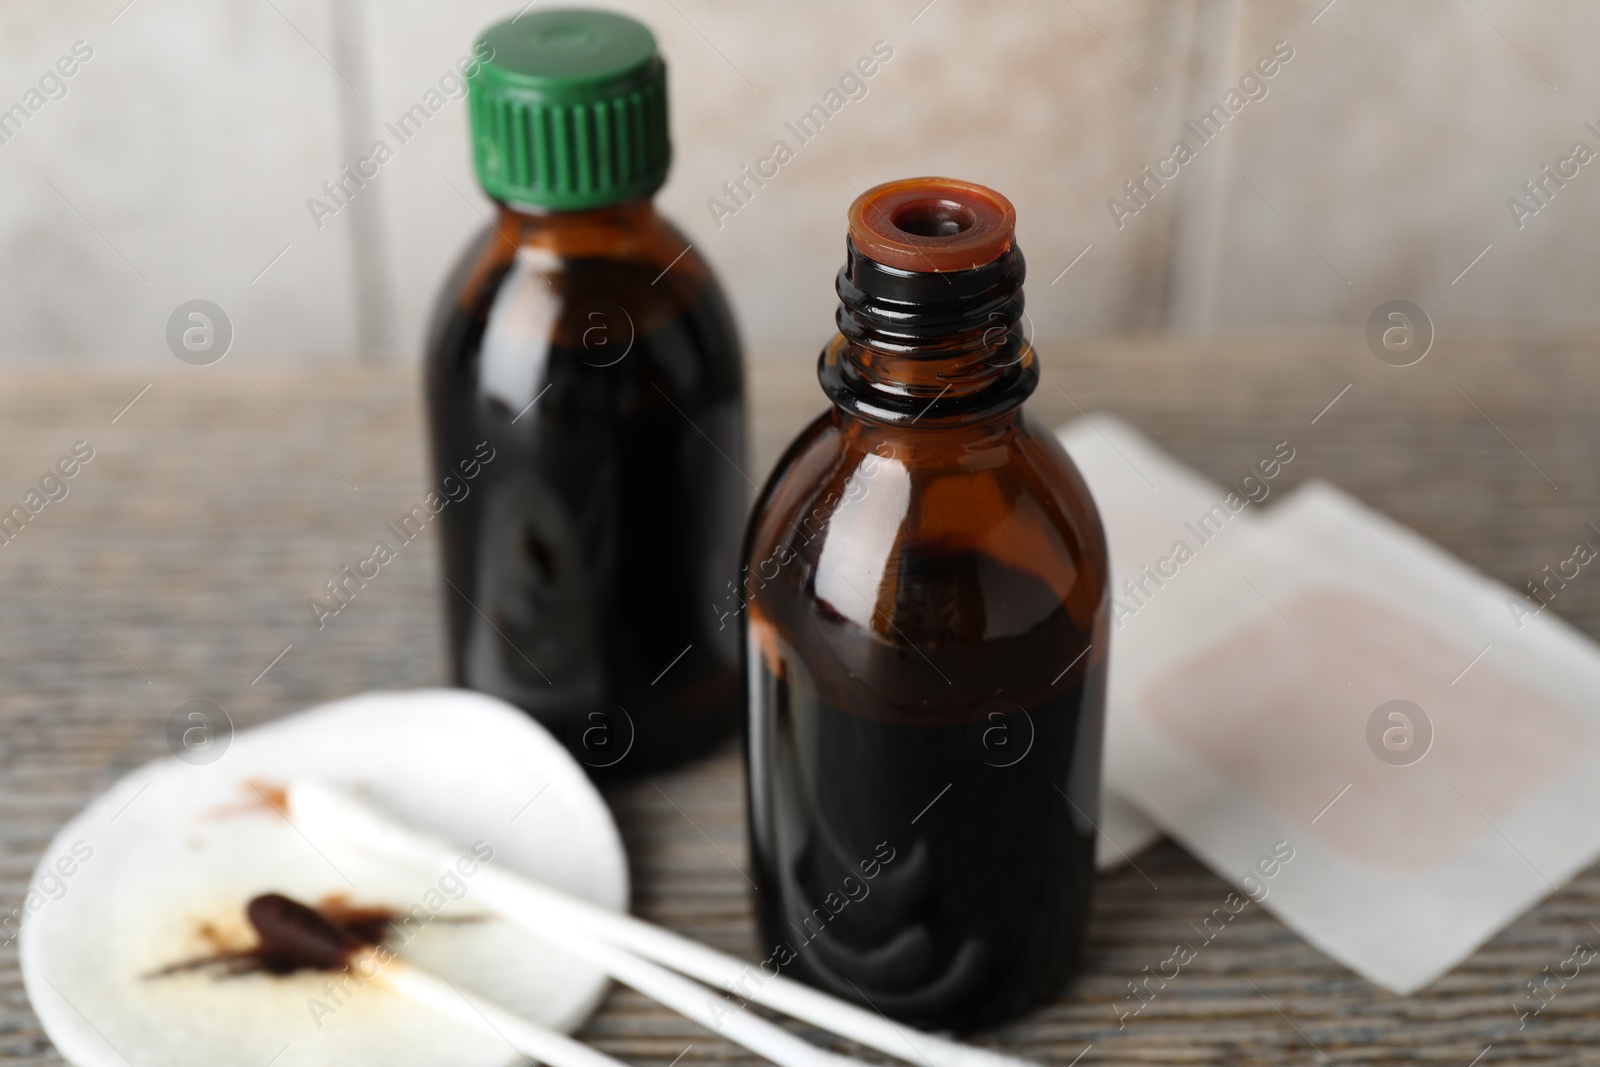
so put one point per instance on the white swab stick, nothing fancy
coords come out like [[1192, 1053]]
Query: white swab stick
[[317, 808], [507, 896], [541, 1043], [689, 999]]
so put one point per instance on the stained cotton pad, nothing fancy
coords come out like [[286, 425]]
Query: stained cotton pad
[[163, 864]]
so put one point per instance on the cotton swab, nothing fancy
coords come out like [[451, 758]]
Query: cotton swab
[[613, 940], [295, 935], [547, 1046], [688, 998]]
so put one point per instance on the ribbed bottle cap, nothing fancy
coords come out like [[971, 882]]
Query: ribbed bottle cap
[[569, 110]]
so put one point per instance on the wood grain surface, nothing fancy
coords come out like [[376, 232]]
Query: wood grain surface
[[179, 564]]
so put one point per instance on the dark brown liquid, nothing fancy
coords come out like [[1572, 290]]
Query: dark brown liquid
[[296, 937], [584, 560], [291, 937], [980, 911]]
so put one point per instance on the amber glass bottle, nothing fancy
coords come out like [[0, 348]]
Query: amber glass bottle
[[583, 366], [925, 640]]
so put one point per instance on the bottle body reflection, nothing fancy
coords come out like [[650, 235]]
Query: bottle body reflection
[[582, 568]]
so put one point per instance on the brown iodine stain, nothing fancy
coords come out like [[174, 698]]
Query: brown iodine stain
[[359, 924], [296, 937], [284, 932], [371, 924], [263, 797]]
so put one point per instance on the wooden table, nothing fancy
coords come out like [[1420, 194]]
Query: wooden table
[[179, 565]]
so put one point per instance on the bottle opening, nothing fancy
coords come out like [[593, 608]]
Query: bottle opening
[[934, 218], [932, 224]]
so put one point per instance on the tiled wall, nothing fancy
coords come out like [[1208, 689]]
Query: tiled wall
[[1375, 163]]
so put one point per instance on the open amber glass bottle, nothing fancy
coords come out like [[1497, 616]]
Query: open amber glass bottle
[[925, 638]]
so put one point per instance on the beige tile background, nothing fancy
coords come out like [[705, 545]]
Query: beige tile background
[[1378, 166]]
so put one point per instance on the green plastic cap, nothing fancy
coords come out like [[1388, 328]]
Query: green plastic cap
[[569, 110]]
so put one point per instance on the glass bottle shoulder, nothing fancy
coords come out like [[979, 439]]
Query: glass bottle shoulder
[[860, 520], [619, 290]]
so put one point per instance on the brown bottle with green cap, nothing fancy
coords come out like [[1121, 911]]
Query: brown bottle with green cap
[[925, 640], [585, 393]]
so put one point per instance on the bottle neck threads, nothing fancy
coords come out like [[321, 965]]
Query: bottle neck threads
[[941, 344]]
